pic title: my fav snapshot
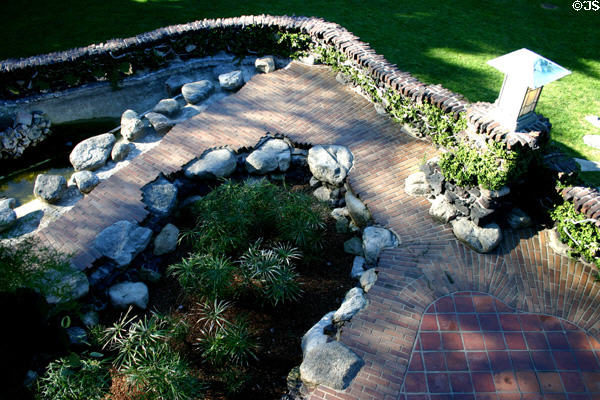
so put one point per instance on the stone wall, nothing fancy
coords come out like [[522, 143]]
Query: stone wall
[[586, 201]]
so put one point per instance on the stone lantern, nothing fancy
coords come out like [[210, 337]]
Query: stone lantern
[[525, 74]]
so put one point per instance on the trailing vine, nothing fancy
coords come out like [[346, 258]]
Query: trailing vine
[[579, 232]]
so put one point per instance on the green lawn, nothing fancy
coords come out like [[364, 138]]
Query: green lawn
[[439, 42]]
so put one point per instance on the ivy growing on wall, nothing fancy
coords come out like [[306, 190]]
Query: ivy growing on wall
[[579, 232]]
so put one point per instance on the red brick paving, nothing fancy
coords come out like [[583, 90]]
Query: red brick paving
[[307, 105]]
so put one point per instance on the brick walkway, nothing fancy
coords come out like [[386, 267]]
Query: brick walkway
[[307, 105]]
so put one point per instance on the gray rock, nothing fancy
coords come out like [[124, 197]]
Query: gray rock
[[166, 241], [374, 240], [353, 246], [90, 319], [8, 203], [271, 155], [8, 216], [480, 239], [195, 92], [316, 336], [85, 180], [160, 197], [188, 201], [232, 80], [149, 275], [265, 64], [125, 294], [120, 151], [330, 163], [556, 244], [442, 210], [341, 225], [588, 165], [132, 126], [358, 211], [122, 241], [168, 107], [307, 60], [161, 123], [353, 303], [416, 185], [77, 335], [340, 213], [494, 194], [215, 164], [30, 378], [331, 364], [367, 279], [24, 118], [65, 286], [322, 193], [358, 267], [481, 216], [50, 188], [174, 84], [92, 153]]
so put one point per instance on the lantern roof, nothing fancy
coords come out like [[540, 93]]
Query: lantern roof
[[534, 70]]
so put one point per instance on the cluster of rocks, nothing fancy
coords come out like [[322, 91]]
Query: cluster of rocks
[[27, 130], [472, 211], [95, 158]]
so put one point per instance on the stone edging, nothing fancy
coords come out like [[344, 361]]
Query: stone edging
[[586, 201]]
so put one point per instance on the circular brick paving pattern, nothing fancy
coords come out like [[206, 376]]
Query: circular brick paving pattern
[[473, 346]]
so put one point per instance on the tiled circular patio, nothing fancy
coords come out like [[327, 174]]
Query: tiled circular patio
[[471, 346]]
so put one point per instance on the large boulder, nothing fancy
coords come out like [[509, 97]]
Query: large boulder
[[166, 241], [354, 246], [219, 163], [316, 336], [330, 163], [417, 185], [271, 155], [358, 267], [331, 364], [65, 285], [161, 123], [125, 294], [85, 180], [132, 126], [50, 188], [374, 240], [232, 80], [368, 279], [195, 92], [122, 241], [8, 217], [265, 64], [358, 211], [353, 303], [518, 219], [481, 239], [160, 197], [92, 153], [168, 107]]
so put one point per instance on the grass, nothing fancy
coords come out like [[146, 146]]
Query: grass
[[439, 42]]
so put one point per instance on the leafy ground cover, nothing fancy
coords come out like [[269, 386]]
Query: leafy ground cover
[[439, 42], [257, 266]]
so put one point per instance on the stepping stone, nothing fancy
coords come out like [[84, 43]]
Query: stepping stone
[[588, 165], [592, 140], [594, 120]]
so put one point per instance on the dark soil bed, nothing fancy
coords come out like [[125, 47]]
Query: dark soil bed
[[325, 280]]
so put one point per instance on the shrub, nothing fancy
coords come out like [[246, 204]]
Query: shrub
[[209, 275], [580, 233], [230, 344], [491, 167], [26, 264], [270, 272], [145, 358], [75, 378]]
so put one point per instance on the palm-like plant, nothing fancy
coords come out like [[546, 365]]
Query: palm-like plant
[[209, 275]]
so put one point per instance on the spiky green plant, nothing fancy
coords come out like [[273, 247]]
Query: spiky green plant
[[210, 275]]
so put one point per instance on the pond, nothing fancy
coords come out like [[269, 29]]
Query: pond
[[17, 177]]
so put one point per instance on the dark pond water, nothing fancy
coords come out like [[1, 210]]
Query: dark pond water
[[17, 177]]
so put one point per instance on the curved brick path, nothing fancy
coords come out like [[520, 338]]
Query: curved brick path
[[307, 105]]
